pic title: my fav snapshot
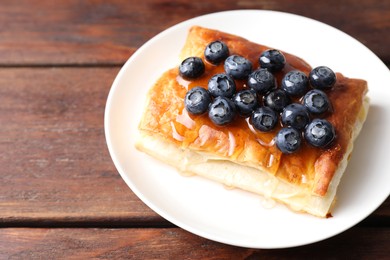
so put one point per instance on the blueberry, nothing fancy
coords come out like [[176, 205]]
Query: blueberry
[[319, 133], [261, 80], [238, 67], [245, 101], [322, 78], [295, 83], [191, 68], [216, 52], [264, 119], [222, 111], [222, 85], [288, 140], [272, 60], [316, 101], [197, 100], [295, 115], [277, 100]]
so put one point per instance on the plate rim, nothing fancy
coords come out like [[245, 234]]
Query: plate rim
[[118, 164]]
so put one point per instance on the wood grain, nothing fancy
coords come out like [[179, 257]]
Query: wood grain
[[27, 243], [78, 32], [61, 196], [55, 165]]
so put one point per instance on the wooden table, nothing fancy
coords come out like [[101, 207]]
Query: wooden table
[[60, 194]]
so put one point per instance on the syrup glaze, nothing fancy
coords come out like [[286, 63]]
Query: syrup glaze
[[310, 167]]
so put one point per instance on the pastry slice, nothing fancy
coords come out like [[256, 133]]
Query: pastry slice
[[237, 154]]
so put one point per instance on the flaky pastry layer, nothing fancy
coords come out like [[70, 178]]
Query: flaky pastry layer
[[239, 156], [248, 178]]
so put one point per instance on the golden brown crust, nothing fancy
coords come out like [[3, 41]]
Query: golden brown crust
[[347, 100], [310, 168]]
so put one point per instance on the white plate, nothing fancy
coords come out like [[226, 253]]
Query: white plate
[[233, 216]]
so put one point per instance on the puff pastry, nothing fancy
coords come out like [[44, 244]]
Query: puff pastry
[[237, 155]]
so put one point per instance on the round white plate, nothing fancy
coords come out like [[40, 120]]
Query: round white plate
[[232, 216]]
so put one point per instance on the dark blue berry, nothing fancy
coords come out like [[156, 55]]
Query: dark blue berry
[[322, 78], [222, 85], [261, 80], [295, 83], [197, 100], [316, 101], [288, 140], [238, 67], [264, 119], [295, 115], [320, 133], [246, 102], [277, 100], [222, 111], [191, 68], [272, 60], [216, 52]]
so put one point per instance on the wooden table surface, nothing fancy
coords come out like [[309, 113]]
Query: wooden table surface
[[61, 195]]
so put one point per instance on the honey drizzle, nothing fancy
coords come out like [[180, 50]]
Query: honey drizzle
[[239, 139]]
